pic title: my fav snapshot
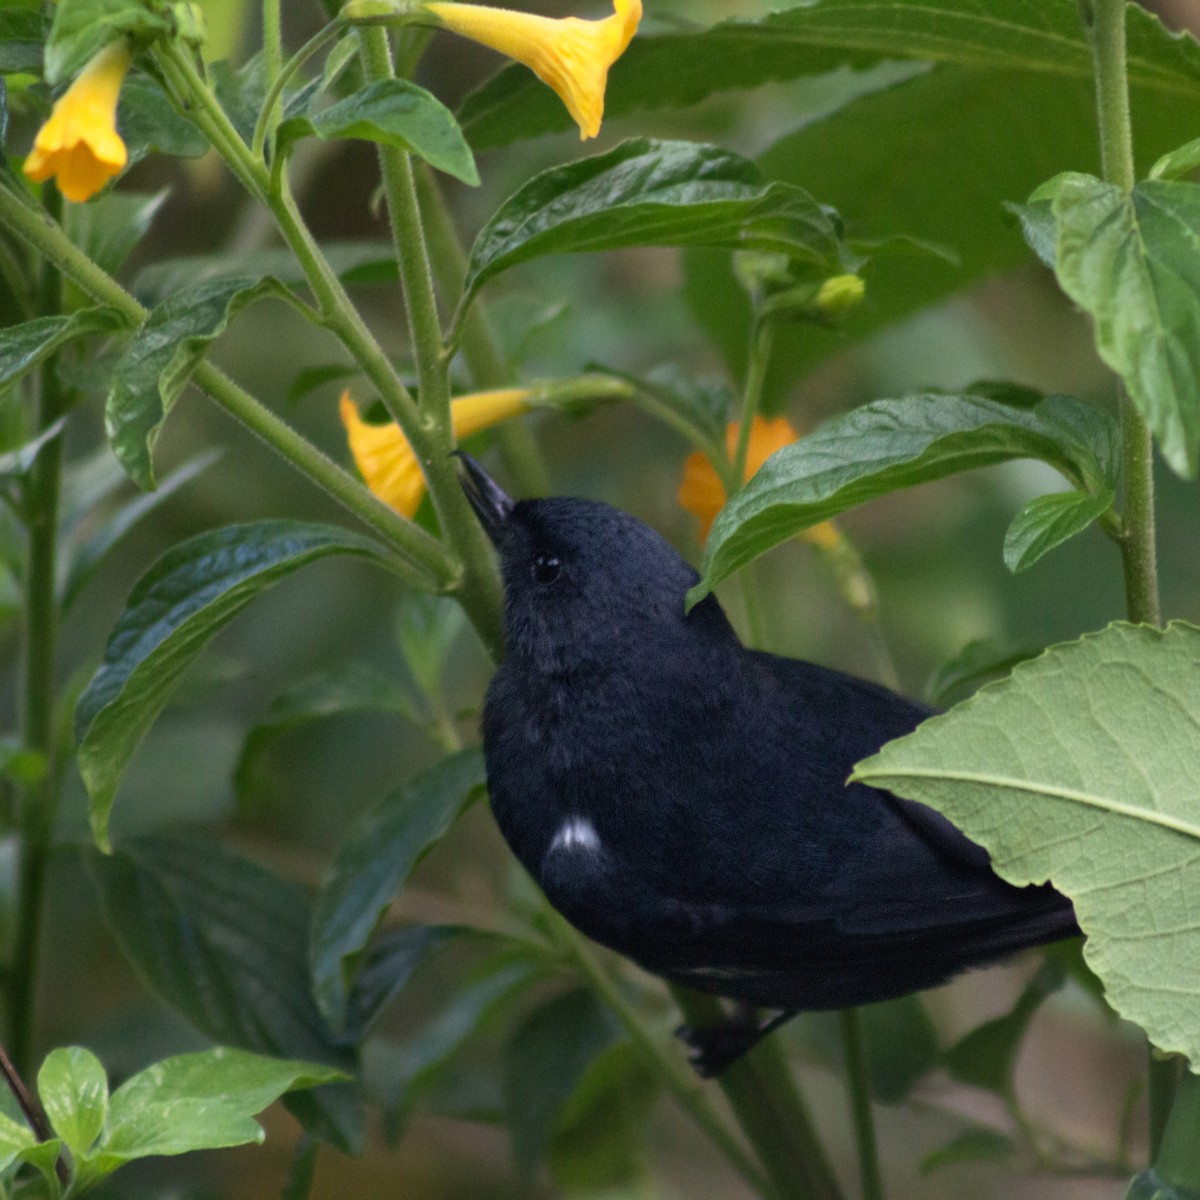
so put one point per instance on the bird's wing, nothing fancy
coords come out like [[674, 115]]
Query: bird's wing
[[853, 718]]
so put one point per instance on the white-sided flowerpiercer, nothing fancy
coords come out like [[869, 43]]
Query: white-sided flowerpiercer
[[683, 800]]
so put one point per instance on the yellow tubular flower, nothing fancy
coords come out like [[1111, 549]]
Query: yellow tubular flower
[[570, 55], [386, 460], [703, 494], [79, 144]]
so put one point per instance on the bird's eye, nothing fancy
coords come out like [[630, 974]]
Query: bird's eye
[[545, 568]]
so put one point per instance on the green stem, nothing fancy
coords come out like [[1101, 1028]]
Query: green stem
[[427, 561], [678, 1079], [769, 1109], [37, 812], [479, 590], [1177, 1163], [1107, 34], [476, 341], [478, 586], [1164, 1074], [1105, 21], [317, 42], [272, 39], [763, 340], [859, 1082]]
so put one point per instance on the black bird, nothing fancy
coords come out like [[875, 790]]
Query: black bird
[[683, 800]]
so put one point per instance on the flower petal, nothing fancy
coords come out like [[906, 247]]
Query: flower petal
[[79, 143], [569, 54]]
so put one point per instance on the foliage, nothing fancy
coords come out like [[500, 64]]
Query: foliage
[[911, 151]]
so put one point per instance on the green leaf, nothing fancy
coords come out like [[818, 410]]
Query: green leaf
[[900, 1040], [978, 662], [24, 346], [44, 1158], [1132, 261], [1181, 161], [1005, 130], [197, 1102], [160, 361], [1081, 767], [698, 408], [599, 1137], [426, 1054], [544, 1061], [309, 379], [150, 124], [1148, 1185], [653, 193], [987, 1056], [348, 687], [224, 943], [387, 965], [975, 1145], [397, 113], [376, 859], [22, 32], [87, 559], [426, 629], [174, 610], [15, 1140], [673, 70], [83, 27], [902, 1046], [364, 261], [1048, 521], [73, 1089], [893, 444], [18, 460], [220, 939], [107, 228]]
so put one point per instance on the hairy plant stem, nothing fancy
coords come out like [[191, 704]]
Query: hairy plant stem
[[760, 1090], [272, 28], [476, 341], [859, 1083], [1105, 23], [676, 1077], [1106, 29], [420, 557], [479, 590], [39, 800]]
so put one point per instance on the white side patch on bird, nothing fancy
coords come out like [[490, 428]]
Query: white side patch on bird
[[576, 833]]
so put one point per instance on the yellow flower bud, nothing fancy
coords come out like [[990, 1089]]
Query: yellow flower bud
[[570, 55], [79, 144], [840, 293]]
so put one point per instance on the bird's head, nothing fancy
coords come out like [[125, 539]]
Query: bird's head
[[584, 581]]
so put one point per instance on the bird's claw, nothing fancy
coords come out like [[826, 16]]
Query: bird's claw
[[714, 1048]]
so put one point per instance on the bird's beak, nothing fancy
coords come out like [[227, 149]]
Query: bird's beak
[[491, 503]]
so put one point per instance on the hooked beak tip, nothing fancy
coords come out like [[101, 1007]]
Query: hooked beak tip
[[492, 505]]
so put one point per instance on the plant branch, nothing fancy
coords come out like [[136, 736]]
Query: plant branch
[[769, 1109], [25, 1099], [427, 561], [678, 1079], [479, 590], [1107, 35], [870, 1180], [41, 490], [477, 342]]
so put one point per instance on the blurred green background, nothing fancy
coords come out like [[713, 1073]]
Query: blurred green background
[[934, 553]]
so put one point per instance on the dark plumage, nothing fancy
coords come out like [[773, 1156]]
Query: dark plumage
[[683, 800]]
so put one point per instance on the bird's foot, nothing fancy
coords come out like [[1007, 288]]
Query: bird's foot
[[712, 1049], [716, 1047]]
